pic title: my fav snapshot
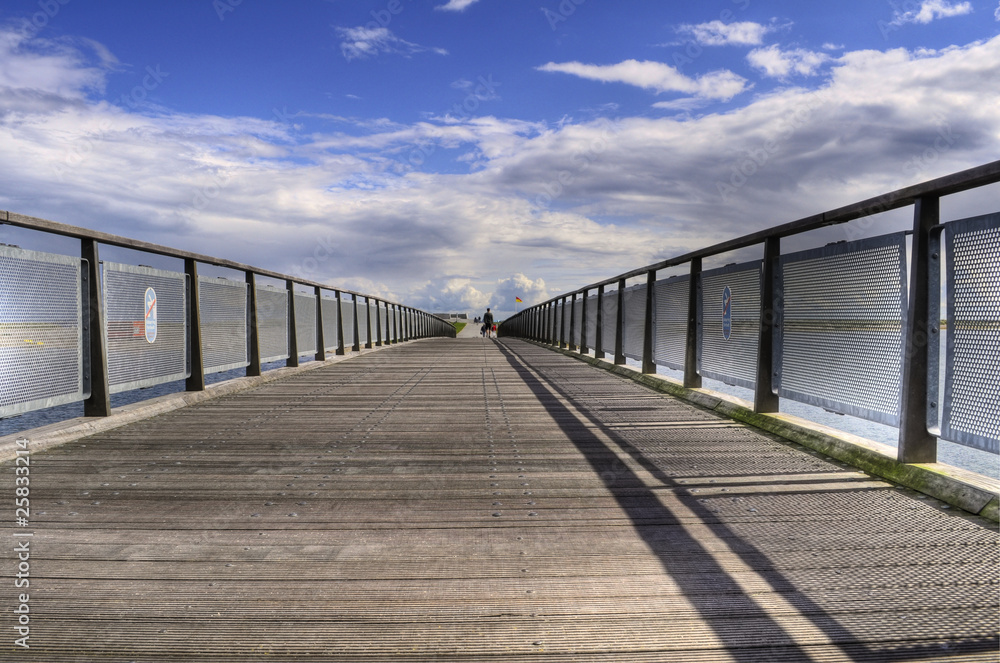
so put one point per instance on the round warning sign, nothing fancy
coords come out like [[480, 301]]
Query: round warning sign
[[727, 313], [150, 321]]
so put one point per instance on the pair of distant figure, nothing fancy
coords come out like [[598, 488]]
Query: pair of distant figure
[[488, 329]]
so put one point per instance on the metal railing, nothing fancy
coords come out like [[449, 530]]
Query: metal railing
[[76, 329], [842, 327]]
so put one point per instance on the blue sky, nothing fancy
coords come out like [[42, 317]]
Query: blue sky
[[452, 154]]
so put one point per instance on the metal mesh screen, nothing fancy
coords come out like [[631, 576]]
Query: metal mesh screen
[[347, 313], [610, 321], [729, 323], [839, 338], [272, 323], [971, 414], [577, 325], [560, 325], [670, 341], [635, 320], [592, 322], [41, 342], [223, 306], [363, 311], [146, 326], [330, 317], [383, 315], [305, 323]]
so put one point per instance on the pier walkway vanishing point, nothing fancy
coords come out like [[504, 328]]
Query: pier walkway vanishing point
[[485, 500]]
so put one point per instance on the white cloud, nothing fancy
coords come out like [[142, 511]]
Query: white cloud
[[996, 14], [655, 76], [506, 290], [563, 205], [456, 5], [717, 33], [361, 43], [930, 10], [777, 63]]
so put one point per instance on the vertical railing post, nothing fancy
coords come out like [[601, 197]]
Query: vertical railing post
[[764, 398], [254, 367], [196, 381], [916, 444], [378, 323], [620, 325], [692, 380], [599, 331], [99, 403], [583, 322], [648, 362], [320, 332], [341, 350], [293, 341]]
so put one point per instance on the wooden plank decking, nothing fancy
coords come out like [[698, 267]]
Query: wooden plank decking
[[475, 500]]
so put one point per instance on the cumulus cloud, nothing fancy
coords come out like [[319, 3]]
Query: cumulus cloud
[[930, 10], [777, 63], [506, 292], [363, 42], [655, 76], [996, 14], [717, 33]]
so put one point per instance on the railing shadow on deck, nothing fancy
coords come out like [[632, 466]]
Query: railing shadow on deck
[[641, 506], [854, 327]]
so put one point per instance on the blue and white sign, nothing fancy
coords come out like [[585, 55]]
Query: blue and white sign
[[727, 312], [150, 321]]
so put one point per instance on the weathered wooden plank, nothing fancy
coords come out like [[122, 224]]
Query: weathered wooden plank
[[469, 500]]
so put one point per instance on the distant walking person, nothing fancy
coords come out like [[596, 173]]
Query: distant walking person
[[488, 322]]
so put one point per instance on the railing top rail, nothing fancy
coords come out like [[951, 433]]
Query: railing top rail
[[956, 182], [66, 230]]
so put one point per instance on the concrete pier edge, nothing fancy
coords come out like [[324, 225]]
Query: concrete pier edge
[[960, 488]]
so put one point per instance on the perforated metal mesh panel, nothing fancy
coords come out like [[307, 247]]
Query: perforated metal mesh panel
[[560, 320], [138, 357], [610, 321], [577, 325], [384, 317], [347, 312], [305, 323], [41, 342], [272, 323], [670, 341], [330, 317], [634, 319], [363, 310], [971, 414], [592, 322], [223, 305], [839, 341], [732, 360]]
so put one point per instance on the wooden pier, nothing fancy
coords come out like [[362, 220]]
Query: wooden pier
[[482, 500]]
